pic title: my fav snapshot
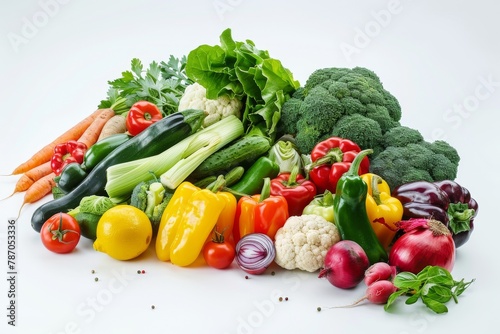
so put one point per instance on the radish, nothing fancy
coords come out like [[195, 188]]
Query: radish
[[345, 264], [377, 293], [379, 271]]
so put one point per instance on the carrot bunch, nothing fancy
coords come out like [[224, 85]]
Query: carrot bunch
[[37, 179]]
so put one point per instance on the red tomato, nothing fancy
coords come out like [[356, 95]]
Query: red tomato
[[219, 255], [60, 233]]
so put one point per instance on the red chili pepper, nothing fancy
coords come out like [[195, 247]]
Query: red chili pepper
[[65, 153], [260, 213], [331, 158], [141, 115], [297, 190]]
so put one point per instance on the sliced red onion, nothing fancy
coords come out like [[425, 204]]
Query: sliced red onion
[[255, 252]]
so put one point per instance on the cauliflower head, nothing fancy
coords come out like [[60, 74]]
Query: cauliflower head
[[195, 97], [302, 243]]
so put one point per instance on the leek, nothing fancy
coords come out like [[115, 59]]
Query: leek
[[174, 164]]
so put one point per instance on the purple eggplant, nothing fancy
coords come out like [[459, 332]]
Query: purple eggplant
[[461, 211], [425, 210], [422, 192], [446, 201]]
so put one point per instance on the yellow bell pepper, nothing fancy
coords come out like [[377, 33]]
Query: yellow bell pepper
[[189, 219], [384, 211], [199, 218], [170, 219]]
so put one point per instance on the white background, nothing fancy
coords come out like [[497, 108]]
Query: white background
[[440, 59]]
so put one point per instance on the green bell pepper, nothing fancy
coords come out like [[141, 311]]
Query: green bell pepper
[[321, 205]]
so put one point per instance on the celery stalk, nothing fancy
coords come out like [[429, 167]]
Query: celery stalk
[[196, 155], [183, 158]]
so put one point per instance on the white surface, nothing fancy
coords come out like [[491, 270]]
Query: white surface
[[440, 59]]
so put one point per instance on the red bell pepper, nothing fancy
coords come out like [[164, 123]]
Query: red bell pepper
[[141, 115], [65, 153], [331, 158], [260, 213], [297, 190]]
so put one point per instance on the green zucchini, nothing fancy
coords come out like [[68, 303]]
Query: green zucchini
[[242, 151], [155, 139]]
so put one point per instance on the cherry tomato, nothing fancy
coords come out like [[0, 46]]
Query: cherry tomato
[[219, 255], [60, 233]]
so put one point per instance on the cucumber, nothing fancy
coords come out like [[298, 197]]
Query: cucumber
[[155, 139], [243, 151]]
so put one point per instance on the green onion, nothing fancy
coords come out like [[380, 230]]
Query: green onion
[[175, 164]]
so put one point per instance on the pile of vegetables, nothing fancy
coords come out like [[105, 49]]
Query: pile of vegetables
[[234, 163]]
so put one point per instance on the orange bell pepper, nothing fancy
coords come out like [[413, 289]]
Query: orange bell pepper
[[383, 210], [260, 213]]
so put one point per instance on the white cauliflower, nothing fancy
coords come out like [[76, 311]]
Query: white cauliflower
[[303, 241], [194, 97]]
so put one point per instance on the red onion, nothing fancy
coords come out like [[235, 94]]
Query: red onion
[[255, 252], [426, 242], [345, 264]]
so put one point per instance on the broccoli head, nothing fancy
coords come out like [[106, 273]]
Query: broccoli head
[[413, 162], [400, 136], [442, 147], [362, 130], [329, 94]]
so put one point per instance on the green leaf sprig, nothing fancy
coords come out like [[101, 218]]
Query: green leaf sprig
[[160, 83], [434, 285]]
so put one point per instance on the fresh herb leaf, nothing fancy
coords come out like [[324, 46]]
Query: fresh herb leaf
[[434, 305], [434, 285], [407, 280], [393, 297], [161, 83]]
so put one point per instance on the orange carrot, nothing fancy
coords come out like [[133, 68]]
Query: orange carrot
[[31, 176], [38, 190], [45, 153], [90, 136]]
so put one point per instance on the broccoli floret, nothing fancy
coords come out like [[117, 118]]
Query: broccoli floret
[[362, 130], [330, 94], [152, 198], [400, 136], [158, 211], [290, 114], [413, 162], [308, 137], [139, 197], [443, 168], [442, 147], [381, 115]]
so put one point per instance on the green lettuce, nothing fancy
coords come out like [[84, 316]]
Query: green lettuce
[[239, 69]]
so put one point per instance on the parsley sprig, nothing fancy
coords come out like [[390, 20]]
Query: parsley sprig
[[161, 83], [434, 285]]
